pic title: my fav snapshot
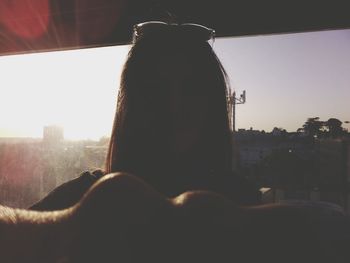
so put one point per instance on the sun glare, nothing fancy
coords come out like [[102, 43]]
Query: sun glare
[[77, 89], [73, 89]]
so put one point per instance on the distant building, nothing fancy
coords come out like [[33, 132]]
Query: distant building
[[254, 145], [250, 132]]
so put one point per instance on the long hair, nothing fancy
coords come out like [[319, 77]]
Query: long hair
[[141, 134]]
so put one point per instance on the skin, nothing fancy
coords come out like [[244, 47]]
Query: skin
[[124, 219]]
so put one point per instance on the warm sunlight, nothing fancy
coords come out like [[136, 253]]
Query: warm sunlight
[[288, 78], [74, 89]]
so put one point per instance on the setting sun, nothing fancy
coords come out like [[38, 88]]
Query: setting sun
[[74, 89]]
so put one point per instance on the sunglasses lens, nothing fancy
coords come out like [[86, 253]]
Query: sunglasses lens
[[200, 32], [195, 31], [143, 28]]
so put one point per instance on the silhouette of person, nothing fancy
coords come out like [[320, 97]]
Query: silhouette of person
[[171, 126]]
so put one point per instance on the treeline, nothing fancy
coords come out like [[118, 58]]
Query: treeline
[[332, 128]]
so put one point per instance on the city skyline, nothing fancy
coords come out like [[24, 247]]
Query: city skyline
[[288, 78]]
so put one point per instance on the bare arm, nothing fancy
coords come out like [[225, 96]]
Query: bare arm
[[27, 236], [122, 219]]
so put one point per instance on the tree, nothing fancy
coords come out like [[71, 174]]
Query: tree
[[279, 131], [313, 127], [334, 126]]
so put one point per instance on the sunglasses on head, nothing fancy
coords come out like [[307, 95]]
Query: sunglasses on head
[[195, 31]]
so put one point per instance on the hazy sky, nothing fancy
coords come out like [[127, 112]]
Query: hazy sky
[[288, 78], [74, 89]]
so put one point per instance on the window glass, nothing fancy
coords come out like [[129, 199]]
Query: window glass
[[57, 109], [56, 113], [292, 133]]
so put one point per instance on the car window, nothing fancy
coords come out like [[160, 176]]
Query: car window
[[291, 133]]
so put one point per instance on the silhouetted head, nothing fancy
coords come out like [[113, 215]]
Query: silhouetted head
[[172, 114]]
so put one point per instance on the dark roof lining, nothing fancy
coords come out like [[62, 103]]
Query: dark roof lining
[[109, 22]]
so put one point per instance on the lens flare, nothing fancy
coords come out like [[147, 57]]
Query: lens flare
[[26, 19]]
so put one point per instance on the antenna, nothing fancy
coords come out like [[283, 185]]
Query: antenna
[[233, 101], [232, 117], [241, 99]]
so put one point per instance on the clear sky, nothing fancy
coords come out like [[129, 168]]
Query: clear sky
[[288, 78]]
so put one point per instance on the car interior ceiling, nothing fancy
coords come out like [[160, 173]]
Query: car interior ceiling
[[48, 25]]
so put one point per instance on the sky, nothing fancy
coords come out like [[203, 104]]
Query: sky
[[287, 78]]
